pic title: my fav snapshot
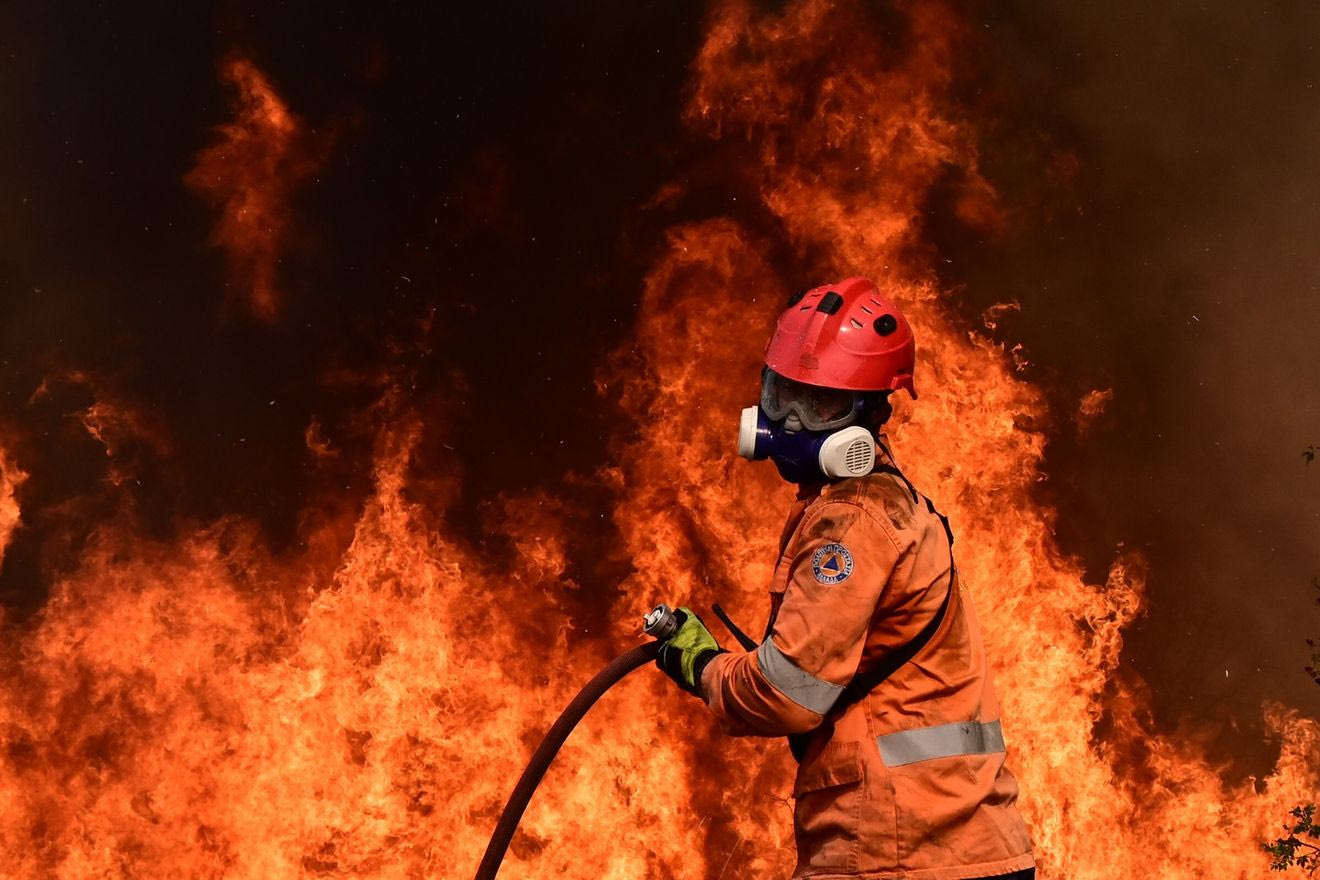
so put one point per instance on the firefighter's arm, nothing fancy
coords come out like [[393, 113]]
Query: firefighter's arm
[[837, 579]]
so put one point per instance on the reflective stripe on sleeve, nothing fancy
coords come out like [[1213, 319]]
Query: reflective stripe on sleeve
[[941, 741], [803, 688]]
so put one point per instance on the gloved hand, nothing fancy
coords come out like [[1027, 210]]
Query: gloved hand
[[685, 655]]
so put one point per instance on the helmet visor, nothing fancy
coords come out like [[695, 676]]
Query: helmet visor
[[820, 409]]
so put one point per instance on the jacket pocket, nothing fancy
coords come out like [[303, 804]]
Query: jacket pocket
[[827, 810]]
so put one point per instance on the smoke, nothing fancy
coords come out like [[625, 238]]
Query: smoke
[[1162, 163]]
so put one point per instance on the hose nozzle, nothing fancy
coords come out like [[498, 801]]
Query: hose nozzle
[[661, 623]]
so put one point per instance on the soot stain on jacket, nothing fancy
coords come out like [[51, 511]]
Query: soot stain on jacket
[[899, 513]]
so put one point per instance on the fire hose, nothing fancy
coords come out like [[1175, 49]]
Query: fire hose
[[660, 624]]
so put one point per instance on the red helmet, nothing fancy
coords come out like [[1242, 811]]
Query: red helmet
[[847, 335]]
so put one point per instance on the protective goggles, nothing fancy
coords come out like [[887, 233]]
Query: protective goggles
[[820, 409]]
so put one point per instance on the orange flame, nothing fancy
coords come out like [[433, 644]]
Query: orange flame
[[204, 708], [10, 514], [1092, 406], [850, 134], [250, 175], [126, 432]]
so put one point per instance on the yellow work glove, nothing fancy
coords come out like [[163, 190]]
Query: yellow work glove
[[685, 655]]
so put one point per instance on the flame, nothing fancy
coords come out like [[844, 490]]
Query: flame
[[11, 516], [1091, 407], [850, 134], [204, 710], [250, 175], [202, 707], [127, 433]]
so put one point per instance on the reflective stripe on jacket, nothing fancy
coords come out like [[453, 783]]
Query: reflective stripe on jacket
[[908, 781]]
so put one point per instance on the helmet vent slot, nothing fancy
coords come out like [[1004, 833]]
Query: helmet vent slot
[[856, 323]]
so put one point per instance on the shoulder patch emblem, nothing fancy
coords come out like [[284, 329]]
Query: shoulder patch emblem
[[831, 563]]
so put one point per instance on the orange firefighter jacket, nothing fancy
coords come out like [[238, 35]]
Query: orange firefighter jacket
[[909, 781]]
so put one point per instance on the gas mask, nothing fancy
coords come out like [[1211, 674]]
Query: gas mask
[[809, 432]]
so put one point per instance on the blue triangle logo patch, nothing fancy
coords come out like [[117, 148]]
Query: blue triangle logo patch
[[831, 563]]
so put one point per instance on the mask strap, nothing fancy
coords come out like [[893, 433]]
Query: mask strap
[[890, 469]]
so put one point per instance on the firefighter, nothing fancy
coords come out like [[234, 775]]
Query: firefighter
[[872, 659]]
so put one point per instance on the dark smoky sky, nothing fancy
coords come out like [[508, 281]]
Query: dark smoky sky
[[486, 162], [1181, 270], [489, 162]]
